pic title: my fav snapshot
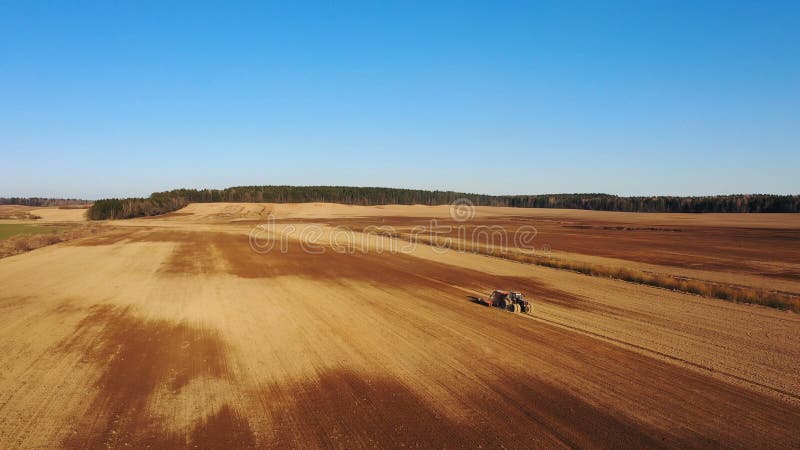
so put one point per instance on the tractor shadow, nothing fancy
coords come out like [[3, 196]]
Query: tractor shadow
[[476, 300]]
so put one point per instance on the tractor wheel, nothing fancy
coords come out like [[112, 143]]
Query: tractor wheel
[[527, 308], [504, 304], [516, 308]]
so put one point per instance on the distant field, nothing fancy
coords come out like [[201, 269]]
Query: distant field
[[14, 229], [16, 212]]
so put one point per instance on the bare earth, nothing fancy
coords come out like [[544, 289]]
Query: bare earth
[[171, 332], [16, 214]]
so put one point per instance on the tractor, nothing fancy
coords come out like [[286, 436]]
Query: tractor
[[509, 300]]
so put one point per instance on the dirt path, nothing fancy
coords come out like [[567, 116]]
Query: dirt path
[[179, 335]]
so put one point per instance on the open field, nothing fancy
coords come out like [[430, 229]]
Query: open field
[[171, 331], [15, 213], [14, 229], [24, 228]]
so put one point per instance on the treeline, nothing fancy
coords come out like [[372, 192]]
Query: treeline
[[330, 194], [41, 201], [159, 203], [756, 203], [164, 202]]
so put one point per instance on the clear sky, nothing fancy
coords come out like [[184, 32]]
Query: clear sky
[[112, 98]]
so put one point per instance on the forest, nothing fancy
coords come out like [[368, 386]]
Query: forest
[[42, 201], [164, 202]]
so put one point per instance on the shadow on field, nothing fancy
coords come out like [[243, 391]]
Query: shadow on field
[[474, 299], [139, 359], [345, 409], [136, 356]]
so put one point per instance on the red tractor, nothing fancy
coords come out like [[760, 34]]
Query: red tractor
[[508, 300]]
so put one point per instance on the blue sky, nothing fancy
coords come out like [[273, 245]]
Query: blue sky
[[106, 98]]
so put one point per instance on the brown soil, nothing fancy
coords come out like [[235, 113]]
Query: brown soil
[[757, 251]]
